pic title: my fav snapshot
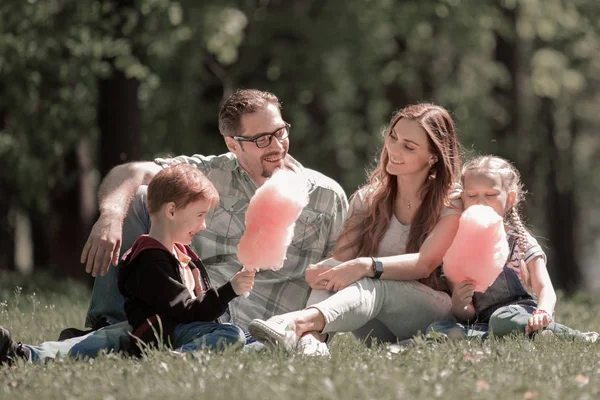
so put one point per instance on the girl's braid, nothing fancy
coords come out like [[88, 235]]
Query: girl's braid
[[515, 222]]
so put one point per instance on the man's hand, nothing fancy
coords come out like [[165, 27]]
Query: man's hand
[[103, 246], [462, 295]]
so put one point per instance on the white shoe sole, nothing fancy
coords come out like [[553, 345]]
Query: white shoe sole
[[265, 334]]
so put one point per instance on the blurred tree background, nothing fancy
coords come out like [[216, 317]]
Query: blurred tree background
[[86, 85]]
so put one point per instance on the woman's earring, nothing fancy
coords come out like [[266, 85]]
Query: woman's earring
[[433, 173]]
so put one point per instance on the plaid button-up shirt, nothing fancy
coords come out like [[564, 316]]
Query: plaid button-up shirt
[[317, 228]]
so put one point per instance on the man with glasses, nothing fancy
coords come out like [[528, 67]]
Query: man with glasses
[[258, 141]]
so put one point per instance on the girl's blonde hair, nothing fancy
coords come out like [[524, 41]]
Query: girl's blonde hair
[[511, 182]]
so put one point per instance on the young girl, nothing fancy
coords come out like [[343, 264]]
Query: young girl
[[522, 298]]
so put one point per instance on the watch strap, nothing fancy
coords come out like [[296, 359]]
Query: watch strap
[[377, 268]]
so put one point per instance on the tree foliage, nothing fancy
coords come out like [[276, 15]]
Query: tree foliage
[[521, 78]]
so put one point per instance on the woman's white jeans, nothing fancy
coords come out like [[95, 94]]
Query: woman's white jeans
[[386, 310]]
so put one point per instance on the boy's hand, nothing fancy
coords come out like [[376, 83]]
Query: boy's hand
[[243, 281], [462, 295]]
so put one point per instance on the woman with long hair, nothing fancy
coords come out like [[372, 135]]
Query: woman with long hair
[[387, 274]]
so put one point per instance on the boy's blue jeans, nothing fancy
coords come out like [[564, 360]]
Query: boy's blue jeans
[[113, 338], [110, 339], [198, 335]]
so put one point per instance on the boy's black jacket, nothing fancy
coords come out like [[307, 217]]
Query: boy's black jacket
[[149, 278]]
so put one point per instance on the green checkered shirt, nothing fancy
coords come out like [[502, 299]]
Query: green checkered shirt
[[275, 292]]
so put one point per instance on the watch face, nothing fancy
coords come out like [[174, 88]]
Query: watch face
[[378, 268]]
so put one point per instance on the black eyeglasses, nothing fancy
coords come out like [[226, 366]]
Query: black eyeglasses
[[265, 139]]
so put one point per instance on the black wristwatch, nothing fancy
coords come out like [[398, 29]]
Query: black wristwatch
[[377, 268]]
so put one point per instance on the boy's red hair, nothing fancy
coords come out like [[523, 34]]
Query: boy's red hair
[[181, 184]]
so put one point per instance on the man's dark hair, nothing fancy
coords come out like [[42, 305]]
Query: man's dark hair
[[243, 101]]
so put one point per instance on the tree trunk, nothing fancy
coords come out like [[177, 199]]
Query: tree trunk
[[506, 53], [118, 120], [65, 222], [7, 227], [394, 93], [41, 237], [118, 110], [561, 207]]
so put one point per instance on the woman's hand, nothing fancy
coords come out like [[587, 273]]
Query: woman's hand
[[538, 321], [345, 274], [312, 275]]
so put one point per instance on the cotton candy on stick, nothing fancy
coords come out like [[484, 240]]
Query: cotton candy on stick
[[479, 250], [270, 220]]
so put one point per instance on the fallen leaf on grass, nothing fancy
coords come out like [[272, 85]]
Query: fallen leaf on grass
[[439, 390], [328, 384], [474, 357], [530, 395], [164, 366], [483, 385], [582, 379]]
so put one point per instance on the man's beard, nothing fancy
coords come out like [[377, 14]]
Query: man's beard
[[267, 174]]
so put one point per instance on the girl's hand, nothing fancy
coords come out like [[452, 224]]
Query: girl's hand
[[243, 281], [345, 274], [462, 295], [538, 321]]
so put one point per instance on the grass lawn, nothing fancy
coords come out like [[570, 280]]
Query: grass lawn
[[514, 368]]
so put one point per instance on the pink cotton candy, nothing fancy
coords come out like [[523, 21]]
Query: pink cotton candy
[[270, 220], [479, 250]]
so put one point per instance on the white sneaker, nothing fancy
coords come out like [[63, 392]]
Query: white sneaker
[[590, 337], [275, 331], [254, 347], [308, 345]]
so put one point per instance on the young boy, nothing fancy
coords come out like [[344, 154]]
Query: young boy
[[168, 295]]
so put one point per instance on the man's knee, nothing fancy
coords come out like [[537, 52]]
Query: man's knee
[[137, 221]]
